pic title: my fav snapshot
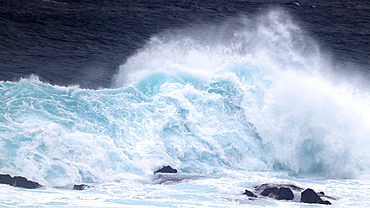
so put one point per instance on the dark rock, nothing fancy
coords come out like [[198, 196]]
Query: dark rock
[[249, 193], [277, 191], [80, 187], [7, 179], [166, 169], [270, 192], [284, 193], [18, 181], [310, 196], [24, 183]]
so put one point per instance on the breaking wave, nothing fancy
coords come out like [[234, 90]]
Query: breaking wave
[[248, 94]]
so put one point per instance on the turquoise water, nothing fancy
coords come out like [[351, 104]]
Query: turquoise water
[[263, 105]]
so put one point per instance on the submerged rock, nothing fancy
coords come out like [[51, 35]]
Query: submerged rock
[[166, 169], [80, 187], [310, 196], [18, 181]]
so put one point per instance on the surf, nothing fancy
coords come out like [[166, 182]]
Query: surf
[[303, 113], [249, 94]]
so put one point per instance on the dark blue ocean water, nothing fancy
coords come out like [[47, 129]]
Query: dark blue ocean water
[[84, 42]]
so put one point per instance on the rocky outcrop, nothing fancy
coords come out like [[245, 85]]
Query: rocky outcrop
[[310, 196], [288, 192], [18, 181], [166, 169], [279, 193]]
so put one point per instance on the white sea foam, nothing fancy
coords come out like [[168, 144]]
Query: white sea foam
[[309, 119], [218, 102]]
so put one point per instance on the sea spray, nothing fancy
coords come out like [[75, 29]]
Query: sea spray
[[274, 77], [246, 95]]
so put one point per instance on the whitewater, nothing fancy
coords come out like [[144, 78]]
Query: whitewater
[[229, 105]]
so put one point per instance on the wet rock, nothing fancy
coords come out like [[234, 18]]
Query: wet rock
[[18, 181], [249, 193], [80, 187], [277, 191], [281, 193], [310, 196], [284, 193], [166, 169], [24, 183], [287, 192], [6, 179]]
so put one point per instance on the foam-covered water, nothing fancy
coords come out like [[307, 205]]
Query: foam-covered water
[[264, 83], [232, 105]]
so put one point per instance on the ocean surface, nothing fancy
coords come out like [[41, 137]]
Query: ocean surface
[[232, 94]]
